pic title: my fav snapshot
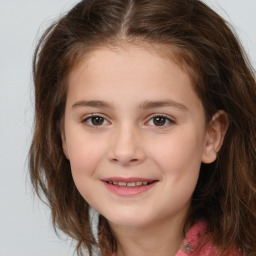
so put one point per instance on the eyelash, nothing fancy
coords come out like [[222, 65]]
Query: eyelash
[[166, 119], [90, 117]]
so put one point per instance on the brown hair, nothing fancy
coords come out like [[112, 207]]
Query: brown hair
[[201, 41]]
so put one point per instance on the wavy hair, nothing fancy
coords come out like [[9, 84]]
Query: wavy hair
[[201, 42]]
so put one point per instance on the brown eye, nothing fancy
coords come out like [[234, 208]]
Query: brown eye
[[159, 121], [95, 121]]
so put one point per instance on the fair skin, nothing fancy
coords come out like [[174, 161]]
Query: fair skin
[[133, 116]]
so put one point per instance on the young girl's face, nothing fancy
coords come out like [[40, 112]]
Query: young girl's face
[[135, 135]]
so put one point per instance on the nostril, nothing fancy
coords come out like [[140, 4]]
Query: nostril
[[131, 161]]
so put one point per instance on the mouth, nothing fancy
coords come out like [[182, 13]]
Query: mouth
[[129, 186]]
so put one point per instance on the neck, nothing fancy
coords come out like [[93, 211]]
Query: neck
[[163, 238]]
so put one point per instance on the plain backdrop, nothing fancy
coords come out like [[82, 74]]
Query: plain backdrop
[[25, 225]]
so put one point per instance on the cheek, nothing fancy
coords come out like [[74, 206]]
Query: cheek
[[179, 154], [84, 160], [179, 159], [84, 155]]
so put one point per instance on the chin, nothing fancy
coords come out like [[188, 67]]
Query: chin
[[128, 218]]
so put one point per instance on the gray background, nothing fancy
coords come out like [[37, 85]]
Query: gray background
[[25, 226]]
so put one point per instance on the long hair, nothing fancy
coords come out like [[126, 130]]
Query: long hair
[[201, 42]]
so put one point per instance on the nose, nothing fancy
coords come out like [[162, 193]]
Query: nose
[[126, 146]]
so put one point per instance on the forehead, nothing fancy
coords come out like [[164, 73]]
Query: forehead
[[138, 73], [140, 56], [183, 58]]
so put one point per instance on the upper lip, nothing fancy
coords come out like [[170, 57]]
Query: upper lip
[[127, 180]]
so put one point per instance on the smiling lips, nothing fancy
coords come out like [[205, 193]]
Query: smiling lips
[[129, 186]]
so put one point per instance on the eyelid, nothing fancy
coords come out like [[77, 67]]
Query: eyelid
[[171, 120], [87, 117]]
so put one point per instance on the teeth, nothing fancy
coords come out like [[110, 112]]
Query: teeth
[[129, 184], [122, 184]]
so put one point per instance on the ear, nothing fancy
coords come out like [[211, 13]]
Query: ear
[[216, 131]]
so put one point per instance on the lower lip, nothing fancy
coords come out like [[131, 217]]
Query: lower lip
[[129, 191]]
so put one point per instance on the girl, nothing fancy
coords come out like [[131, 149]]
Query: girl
[[145, 112]]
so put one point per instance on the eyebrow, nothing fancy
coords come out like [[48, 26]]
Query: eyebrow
[[163, 103], [91, 103], [148, 104]]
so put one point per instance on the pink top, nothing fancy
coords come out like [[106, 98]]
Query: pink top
[[191, 242], [194, 236]]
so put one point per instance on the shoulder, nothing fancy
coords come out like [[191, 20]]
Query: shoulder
[[193, 240]]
